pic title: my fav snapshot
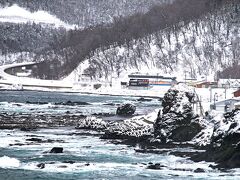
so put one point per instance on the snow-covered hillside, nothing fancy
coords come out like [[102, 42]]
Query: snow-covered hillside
[[86, 13], [199, 48], [165, 40]]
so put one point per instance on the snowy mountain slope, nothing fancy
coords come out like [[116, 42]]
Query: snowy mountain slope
[[27, 27], [200, 48], [78, 45], [86, 12], [183, 38]]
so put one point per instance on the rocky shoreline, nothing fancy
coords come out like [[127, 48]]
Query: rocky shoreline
[[213, 138]]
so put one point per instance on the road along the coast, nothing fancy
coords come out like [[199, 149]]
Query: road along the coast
[[27, 82]]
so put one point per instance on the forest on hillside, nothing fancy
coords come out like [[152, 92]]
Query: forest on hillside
[[202, 36], [215, 21], [87, 13]]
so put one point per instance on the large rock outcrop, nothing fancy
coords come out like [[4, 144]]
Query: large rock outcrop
[[177, 122], [224, 147]]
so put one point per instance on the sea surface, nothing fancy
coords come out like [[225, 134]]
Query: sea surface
[[85, 155], [56, 103]]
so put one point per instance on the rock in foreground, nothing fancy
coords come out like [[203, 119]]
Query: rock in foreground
[[224, 148], [57, 150], [177, 122], [126, 110]]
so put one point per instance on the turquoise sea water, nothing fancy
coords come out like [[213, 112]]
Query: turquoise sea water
[[93, 159], [45, 102], [85, 155]]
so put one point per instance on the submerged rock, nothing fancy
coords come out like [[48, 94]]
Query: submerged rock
[[199, 170], [70, 103], [144, 99], [126, 110], [177, 122], [156, 166], [34, 139], [41, 165], [69, 162], [57, 150], [62, 166]]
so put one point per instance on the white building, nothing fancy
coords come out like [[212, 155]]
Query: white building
[[229, 83], [225, 105]]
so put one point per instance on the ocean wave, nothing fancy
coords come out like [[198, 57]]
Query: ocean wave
[[7, 162]]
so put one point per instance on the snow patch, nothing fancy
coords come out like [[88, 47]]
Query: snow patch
[[16, 14]]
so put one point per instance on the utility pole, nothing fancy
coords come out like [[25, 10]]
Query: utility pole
[[185, 76], [210, 94], [225, 92]]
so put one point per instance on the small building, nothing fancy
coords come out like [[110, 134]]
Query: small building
[[231, 83], [237, 105], [225, 105], [145, 80], [206, 84], [191, 81], [26, 73], [237, 93], [139, 82]]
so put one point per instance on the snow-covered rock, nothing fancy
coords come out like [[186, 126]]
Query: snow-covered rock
[[129, 129], [92, 123], [224, 143], [177, 122]]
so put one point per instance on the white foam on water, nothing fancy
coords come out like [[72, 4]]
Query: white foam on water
[[79, 167], [10, 137], [74, 145], [7, 162]]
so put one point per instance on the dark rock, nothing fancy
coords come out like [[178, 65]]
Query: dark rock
[[156, 166], [69, 162], [144, 99], [34, 139], [87, 164], [57, 150], [102, 114], [40, 103], [109, 104], [52, 162], [70, 103], [32, 128], [199, 170], [17, 144], [180, 169], [41, 165], [62, 166], [126, 110]]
